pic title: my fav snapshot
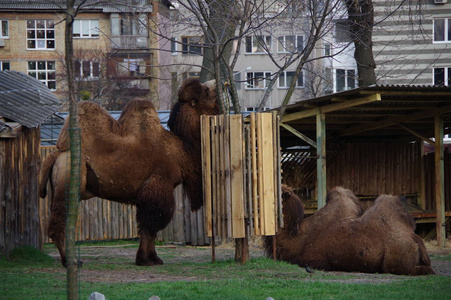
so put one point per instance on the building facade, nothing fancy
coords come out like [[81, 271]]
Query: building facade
[[114, 48]]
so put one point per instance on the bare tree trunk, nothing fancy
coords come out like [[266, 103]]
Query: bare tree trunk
[[74, 138], [361, 19]]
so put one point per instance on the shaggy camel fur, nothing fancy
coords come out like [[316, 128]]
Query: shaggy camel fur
[[134, 160], [341, 237]]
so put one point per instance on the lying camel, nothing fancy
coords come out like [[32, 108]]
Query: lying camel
[[341, 237]]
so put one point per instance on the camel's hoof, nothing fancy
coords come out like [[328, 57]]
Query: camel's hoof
[[149, 262], [64, 263]]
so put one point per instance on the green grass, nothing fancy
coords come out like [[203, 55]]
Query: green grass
[[30, 274]]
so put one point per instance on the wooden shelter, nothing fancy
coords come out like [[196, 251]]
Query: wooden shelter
[[377, 131], [24, 104]]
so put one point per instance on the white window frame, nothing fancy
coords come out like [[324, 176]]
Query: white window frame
[[256, 77], [446, 30], [282, 46], [283, 82], [446, 76], [86, 29], [44, 71], [79, 74], [252, 43], [346, 77], [2, 29], [40, 35], [2, 65]]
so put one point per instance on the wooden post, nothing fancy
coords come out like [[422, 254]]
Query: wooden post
[[321, 159], [439, 182], [422, 178]]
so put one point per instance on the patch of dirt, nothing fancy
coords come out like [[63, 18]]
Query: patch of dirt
[[121, 258]]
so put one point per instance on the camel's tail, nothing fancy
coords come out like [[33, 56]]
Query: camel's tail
[[46, 169]]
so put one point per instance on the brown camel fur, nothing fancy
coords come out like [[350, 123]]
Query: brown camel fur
[[134, 160], [380, 240]]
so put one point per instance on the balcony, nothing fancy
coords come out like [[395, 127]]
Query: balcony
[[129, 42]]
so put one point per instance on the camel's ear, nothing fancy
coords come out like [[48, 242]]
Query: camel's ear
[[190, 91]]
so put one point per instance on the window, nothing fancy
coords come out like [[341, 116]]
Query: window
[[86, 29], [286, 78], [4, 65], [442, 76], [173, 45], [87, 69], [191, 45], [442, 30], [258, 44], [4, 29], [342, 31], [134, 24], [290, 44], [40, 34], [345, 79], [327, 51], [44, 71], [131, 67], [257, 80]]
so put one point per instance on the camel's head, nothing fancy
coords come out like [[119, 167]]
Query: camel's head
[[201, 95], [292, 209]]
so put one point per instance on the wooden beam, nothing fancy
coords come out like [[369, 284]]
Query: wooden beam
[[395, 120], [439, 182], [299, 135], [331, 107], [428, 140], [321, 159]]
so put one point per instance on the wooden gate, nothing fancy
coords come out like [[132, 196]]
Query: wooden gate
[[241, 163]]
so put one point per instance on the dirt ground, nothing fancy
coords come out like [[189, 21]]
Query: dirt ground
[[173, 254]]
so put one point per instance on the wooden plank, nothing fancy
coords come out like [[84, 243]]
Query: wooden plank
[[331, 107], [237, 176], [207, 176], [439, 181], [260, 171], [278, 170], [226, 171], [299, 134], [255, 187], [267, 169]]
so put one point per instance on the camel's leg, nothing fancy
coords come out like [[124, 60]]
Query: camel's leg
[[57, 225], [147, 255], [59, 182], [155, 209]]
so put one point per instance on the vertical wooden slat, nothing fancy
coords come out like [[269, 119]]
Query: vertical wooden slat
[[237, 176], [206, 164], [255, 188], [267, 169]]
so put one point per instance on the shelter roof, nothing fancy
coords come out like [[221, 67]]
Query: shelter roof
[[374, 113], [25, 100]]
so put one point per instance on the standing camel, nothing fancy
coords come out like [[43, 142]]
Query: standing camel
[[133, 160]]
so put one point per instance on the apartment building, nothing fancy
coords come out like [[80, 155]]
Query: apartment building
[[413, 48], [411, 45], [114, 48]]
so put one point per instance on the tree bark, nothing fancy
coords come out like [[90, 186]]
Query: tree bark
[[74, 138], [361, 21]]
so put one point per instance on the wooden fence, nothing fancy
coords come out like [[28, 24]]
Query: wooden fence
[[19, 164], [100, 219], [241, 175]]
